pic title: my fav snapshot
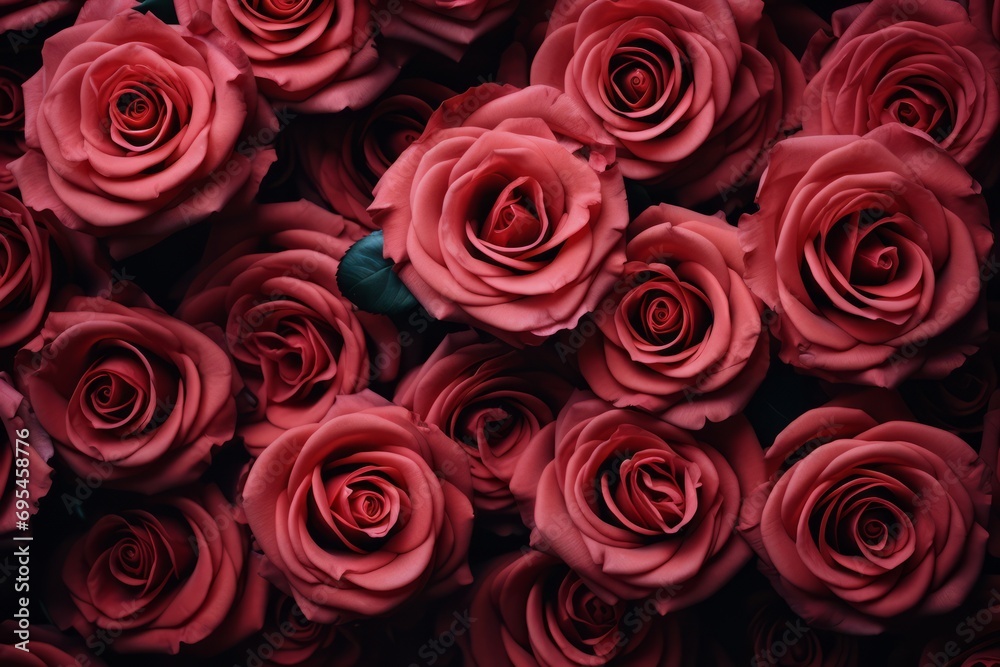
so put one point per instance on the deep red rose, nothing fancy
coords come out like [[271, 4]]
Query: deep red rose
[[297, 343], [25, 441], [923, 64], [869, 518], [129, 394], [175, 573], [532, 610], [507, 213], [351, 513], [693, 91], [136, 129], [870, 252], [343, 156], [636, 505], [681, 334], [492, 400], [310, 56]]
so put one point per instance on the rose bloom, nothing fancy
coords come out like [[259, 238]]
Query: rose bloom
[[868, 249], [297, 343], [351, 513], [447, 27], [533, 610], [772, 625], [129, 394], [636, 505], [175, 570], [12, 144], [342, 156], [137, 129], [28, 482], [47, 648], [507, 213], [309, 56], [693, 91], [869, 519], [492, 400], [927, 67], [681, 336], [986, 15]]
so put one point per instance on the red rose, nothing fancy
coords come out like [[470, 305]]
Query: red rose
[[175, 570], [137, 128], [131, 395], [924, 65], [869, 518], [297, 343], [507, 213], [22, 485], [636, 505], [492, 400], [352, 516], [681, 336], [532, 610], [310, 56], [869, 250], [344, 155], [47, 647], [12, 144], [692, 91]]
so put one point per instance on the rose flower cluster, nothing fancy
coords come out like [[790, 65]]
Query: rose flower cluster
[[489, 333]]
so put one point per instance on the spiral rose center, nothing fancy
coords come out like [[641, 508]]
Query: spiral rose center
[[588, 622], [649, 492], [11, 105], [921, 104], [13, 258], [141, 116], [862, 518], [669, 314], [641, 73], [486, 425], [512, 221], [357, 508]]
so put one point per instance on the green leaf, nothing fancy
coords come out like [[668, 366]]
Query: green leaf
[[161, 9], [369, 280]]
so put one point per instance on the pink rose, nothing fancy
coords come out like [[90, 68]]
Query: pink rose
[[351, 513], [681, 336], [693, 91], [24, 471], [635, 505], [175, 571], [925, 66], [12, 144], [137, 129], [131, 395], [309, 56], [869, 251], [445, 26], [47, 648], [296, 342], [507, 213], [344, 155], [869, 518], [532, 610], [492, 400]]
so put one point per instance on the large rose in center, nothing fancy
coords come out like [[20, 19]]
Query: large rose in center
[[507, 213]]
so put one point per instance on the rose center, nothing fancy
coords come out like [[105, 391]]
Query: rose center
[[512, 222], [650, 492], [640, 73]]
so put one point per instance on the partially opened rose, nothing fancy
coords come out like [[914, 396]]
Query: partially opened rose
[[870, 252], [532, 610], [681, 335], [297, 343], [507, 213], [129, 394], [691, 90], [927, 67], [136, 129], [492, 400], [174, 573], [636, 505], [869, 519], [309, 56], [352, 516]]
